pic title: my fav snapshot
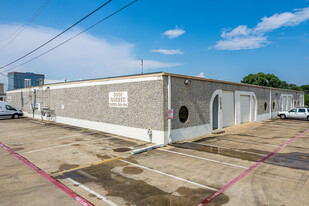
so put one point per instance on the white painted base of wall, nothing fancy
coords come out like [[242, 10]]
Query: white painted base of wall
[[132, 132], [261, 117], [274, 114], [265, 116], [190, 132], [159, 137]]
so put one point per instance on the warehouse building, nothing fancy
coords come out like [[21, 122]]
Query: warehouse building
[[18, 80], [156, 107]]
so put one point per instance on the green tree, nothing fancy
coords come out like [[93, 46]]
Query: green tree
[[268, 80], [295, 87], [305, 88], [307, 99], [261, 79]]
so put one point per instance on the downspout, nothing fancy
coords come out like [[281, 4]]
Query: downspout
[[169, 106]]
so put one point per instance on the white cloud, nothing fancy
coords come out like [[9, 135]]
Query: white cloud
[[238, 43], [149, 64], [241, 30], [202, 74], [283, 20], [84, 57], [243, 37], [174, 33], [168, 51]]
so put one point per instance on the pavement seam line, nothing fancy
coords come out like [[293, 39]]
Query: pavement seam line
[[64, 145], [173, 176], [84, 166], [61, 186], [231, 183], [202, 158], [92, 192], [59, 137], [239, 150]]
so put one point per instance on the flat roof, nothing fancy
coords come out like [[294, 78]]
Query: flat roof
[[27, 73], [164, 74]]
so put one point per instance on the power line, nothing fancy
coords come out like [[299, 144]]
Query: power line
[[23, 27], [122, 8], [56, 35]]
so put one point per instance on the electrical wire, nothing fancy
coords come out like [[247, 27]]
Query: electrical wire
[[23, 27], [97, 9], [71, 37]]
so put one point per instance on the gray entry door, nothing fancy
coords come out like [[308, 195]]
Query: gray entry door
[[215, 113], [228, 108]]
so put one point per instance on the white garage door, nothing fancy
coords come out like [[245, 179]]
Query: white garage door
[[244, 108], [228, 109], [301, 101], [284, 104], [290, 103]]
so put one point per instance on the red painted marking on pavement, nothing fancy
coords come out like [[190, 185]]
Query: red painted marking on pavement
[[228, 185], [49, 178]]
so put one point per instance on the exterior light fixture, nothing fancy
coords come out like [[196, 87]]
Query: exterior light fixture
[[187, 81]]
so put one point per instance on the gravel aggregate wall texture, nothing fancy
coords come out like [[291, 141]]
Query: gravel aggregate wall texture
[[197, 96], [148, 102], [92, 103]]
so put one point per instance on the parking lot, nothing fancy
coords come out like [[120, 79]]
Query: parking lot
[[99, 167]]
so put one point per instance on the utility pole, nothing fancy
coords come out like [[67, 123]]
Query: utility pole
[[34, 102], [142, 64]]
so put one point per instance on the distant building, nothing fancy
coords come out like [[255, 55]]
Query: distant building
[[19, 80], [2, 94]]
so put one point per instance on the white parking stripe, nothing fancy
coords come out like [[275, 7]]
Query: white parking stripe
[[54, 138], [247, 141], [209, 145], [175, 177], [64, 145], [202, 158], [92, 192]]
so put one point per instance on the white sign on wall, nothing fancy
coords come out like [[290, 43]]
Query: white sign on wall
[[118, 99], [35, 106]]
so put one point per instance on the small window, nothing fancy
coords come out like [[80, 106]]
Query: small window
[[295, 103], [8, 107], [293, 110], [183, 114], [265, 106], [274, 105], [308, 110], [298, 103], [302, 110]]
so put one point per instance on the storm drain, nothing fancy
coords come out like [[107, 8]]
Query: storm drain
[[122, 149]]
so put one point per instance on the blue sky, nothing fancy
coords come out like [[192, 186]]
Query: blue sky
[[221, 39]]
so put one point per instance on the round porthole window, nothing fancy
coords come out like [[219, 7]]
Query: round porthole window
[[265, 106], [183, 114]]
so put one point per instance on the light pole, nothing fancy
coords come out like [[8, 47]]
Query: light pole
[[142, 64]]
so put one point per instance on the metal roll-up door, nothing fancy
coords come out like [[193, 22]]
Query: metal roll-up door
[[244, 108], [284, 104], [289, 103], [228, 108]]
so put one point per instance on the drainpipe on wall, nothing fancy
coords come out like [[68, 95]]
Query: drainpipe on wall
[[169, 106]]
